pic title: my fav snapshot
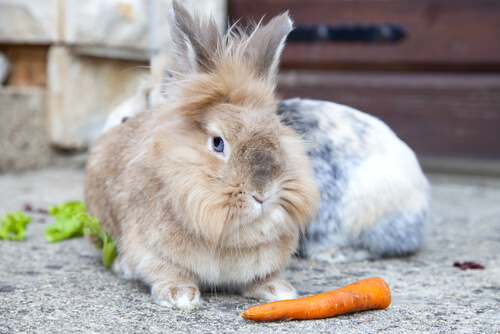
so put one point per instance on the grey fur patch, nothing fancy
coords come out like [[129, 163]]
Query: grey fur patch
[[399, 235], [300, 120]]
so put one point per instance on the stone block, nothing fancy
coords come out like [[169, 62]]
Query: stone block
[[82, 91], [127, 29], [27, 21], [23, 141], [117, 24]]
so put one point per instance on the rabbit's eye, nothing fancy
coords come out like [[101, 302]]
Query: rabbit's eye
[[218, 144]]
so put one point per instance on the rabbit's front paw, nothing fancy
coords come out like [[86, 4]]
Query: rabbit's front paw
[[182, 297], [271, 290]]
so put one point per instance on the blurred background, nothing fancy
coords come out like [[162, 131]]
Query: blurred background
[[429, 68]]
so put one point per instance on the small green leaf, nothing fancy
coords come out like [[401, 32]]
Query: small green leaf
[[108, 252], [92, 227], [14, 226], [72, 221], [64, 229], [101, 238], [66, 225], [67, 210]]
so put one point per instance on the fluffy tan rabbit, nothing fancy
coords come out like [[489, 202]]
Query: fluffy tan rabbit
[[210, 189]]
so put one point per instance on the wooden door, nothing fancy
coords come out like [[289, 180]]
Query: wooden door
[[437, 86]]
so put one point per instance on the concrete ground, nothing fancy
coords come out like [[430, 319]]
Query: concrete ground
[[63, 288]]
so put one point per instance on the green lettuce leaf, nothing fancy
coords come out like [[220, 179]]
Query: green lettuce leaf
[[108, 252], [101, 238], [64, 229], [14, 226], [67, 210], [65, 226], [73, 221]]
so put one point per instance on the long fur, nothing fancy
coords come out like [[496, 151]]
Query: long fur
[[186, 217]]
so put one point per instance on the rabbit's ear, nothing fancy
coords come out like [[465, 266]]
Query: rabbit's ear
[[194, 42], [266, 43]]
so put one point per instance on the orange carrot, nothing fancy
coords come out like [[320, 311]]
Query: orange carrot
[[367, 294]]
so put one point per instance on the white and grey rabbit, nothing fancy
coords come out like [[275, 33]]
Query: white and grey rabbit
[[374, 196], [208, 189]]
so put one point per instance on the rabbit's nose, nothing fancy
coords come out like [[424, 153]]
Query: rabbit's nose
[[258, 200], [266, 195]]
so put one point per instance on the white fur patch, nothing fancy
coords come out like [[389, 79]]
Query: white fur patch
[[124, 110], [339, 255], [274, 290], [183, 302], [280, 293], [163, 303], [120, 267]]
